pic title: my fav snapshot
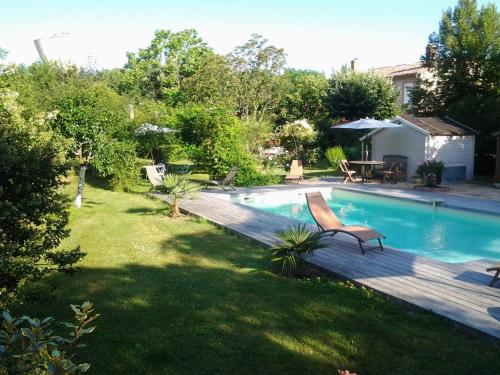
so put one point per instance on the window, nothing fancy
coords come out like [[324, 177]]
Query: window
[[407, 87]]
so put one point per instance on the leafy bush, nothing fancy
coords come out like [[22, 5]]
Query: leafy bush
[[297, 138], [178, 187], [297, 243], [33, 211], [116, 159], [216, 142], [29, 346], [430, 167], [334, 155]]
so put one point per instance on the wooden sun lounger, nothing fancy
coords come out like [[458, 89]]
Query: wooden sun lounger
[[328, 222], [296, 173], [496, 277], [153, 176], [226, 183]]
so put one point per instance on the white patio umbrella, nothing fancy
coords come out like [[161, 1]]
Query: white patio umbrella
[[366, 123]]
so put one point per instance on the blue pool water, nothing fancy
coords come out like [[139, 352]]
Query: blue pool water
[[441, 233]]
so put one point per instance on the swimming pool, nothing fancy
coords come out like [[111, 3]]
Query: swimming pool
[[446, 234]]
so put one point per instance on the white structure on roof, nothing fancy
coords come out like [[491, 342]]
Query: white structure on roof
[[427, 138]]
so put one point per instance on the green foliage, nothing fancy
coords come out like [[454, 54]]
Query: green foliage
[[178, 187], [334, 155], [304, 96], [158, 71], [260, 87], [93, 118], [215, 84], [297, 138], [117, 160], [354, 95], [33, 211], [464, 57], [29, 345], [297, 243], [434, 167]]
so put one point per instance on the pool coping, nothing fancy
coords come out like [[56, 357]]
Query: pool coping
[[478, 205]]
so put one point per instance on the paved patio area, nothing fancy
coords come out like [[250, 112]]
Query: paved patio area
[[458, 292]]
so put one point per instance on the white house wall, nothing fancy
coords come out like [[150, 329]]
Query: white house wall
[[453, 151], [404, 141]]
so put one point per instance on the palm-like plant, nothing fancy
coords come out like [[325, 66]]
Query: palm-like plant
[[297, 243], [178, 187]]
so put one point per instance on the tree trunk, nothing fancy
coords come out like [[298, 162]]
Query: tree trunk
[[175, 210], [79, 190]]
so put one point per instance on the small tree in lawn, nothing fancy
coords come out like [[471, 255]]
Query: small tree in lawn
[[33, 211], [178, 187], [88, 115]]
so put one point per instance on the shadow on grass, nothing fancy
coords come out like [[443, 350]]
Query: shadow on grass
[[204, 301]]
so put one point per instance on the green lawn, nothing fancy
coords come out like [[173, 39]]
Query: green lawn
[[186, 297]]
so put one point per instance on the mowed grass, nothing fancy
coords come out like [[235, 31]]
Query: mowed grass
[[184, 297]]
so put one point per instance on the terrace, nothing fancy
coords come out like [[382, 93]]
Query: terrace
[[458, 291]]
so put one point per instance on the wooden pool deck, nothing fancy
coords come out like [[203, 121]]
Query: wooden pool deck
[[458, 292]]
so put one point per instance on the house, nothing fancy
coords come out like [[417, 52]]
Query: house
[[427, 138], [404, 78]]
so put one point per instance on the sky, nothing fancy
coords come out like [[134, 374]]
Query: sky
[[316, 34]]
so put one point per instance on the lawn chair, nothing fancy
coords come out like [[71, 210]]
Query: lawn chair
[[394, 168], [296, 173], [226, 183], [496, 277], [328, 222], [161, 169], [155, 178], [348, 174]]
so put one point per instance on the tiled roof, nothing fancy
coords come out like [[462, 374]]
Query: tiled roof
[[439, 125], [400, 70]]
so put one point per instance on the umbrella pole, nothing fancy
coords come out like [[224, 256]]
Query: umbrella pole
[[362, 150]]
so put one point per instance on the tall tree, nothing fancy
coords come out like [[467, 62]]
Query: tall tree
[[90, 116], [214, 84], [464, 57], [305, 92], [258, 66], [33, 211], [158, 70], [353, 95]]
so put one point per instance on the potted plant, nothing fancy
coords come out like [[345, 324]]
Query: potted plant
[[496, 182], [430, 172]]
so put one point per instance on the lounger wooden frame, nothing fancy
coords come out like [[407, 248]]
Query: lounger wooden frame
[[329, 224], [226, 183], [296, 173], [496, 277]]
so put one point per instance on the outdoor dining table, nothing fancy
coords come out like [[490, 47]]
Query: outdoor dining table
[[364, 164]]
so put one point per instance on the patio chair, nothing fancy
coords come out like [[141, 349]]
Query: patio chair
[[496, 277], [296, 173], [328, 222], [226, 183], [155, 178], [348, 174], [161, 168]]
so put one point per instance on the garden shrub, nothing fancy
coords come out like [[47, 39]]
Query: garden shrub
[[33, 211], [117, 160], [29, 346], [428, 168], [297, 243], [297, 139], [217, 143], [334, 155]]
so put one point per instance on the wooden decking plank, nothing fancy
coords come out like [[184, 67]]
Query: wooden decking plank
[[451, 290]]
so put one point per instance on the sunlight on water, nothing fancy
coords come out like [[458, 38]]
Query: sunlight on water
[[441, 233]]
